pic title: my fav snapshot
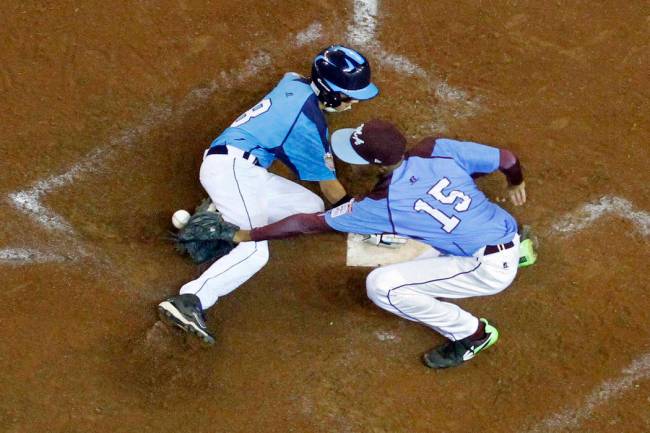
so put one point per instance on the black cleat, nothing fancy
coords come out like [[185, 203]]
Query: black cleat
[[185, 311], [454, 353]]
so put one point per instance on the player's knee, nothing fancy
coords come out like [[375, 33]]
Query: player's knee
[[261, 255], [256, 254], [377, 286]]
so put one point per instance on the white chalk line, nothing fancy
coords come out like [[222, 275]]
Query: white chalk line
[[591, 212], [399, 63], [19, 255], [364, 23], [386, 336], [571, 418], [569, 224], [311, 34], [449, 101], [362, 32], [29, 201]]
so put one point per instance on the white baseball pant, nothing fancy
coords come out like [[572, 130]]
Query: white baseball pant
[[412, 289], [248, 196]]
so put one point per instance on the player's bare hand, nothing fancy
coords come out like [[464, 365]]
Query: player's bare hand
[[517, 193], [385, 240]]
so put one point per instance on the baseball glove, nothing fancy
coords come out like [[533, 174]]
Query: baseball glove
[[207, 236]]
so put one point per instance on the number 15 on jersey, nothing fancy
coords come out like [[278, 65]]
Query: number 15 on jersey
[[462, 200]]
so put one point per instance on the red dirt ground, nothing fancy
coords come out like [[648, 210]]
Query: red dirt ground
[[563, 84]]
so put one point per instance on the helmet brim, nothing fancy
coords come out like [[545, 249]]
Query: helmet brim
[[368, 92], [342, 147]]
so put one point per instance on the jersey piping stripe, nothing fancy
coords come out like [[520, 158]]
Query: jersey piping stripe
[[424, 282], [292, 126], [390, 214], [234, 173], [462, 250], [279, 151], [312, 112], [282, 156]]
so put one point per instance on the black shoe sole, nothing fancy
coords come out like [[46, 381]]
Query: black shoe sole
[[435, 366], [169, 318]]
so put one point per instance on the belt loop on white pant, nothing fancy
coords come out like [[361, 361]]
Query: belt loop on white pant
[[224, 149], [235, 151]]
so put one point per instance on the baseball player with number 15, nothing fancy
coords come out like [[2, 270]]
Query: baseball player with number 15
[[427, 194]]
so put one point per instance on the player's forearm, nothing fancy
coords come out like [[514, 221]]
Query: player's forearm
[[509, 165], [301, 224], [332, 190], [242, 236]]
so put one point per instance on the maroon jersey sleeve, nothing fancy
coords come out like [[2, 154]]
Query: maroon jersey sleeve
[[299, 224]]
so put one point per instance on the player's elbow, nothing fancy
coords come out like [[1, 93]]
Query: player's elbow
[[507, 159]]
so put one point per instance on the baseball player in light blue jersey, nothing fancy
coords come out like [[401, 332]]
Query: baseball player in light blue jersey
[[288, 124], [427, 194]]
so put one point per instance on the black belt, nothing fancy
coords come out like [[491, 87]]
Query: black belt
[[223, 150], [491, 249]]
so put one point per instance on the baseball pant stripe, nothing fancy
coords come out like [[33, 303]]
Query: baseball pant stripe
[[234, 173], [419, 284]]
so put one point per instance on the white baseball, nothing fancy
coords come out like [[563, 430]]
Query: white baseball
[[180, 218]]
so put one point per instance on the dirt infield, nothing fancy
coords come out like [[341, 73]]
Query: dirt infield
[[107, 107]]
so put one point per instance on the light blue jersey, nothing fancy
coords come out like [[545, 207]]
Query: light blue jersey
[[286, 124], [432, 197]]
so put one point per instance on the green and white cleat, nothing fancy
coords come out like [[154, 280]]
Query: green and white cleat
[[454, 353], [527, 245]]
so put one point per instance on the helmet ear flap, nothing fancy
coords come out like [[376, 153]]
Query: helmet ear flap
[[329, 97]]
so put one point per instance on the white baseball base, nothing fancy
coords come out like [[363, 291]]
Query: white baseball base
[[364, 254]]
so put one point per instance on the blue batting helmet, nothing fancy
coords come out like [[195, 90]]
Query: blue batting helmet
[[340, 72]]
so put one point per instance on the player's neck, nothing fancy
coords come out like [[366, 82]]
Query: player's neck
[[388, 169]]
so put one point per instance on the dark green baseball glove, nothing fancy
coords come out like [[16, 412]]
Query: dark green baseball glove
[[207, 236]]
